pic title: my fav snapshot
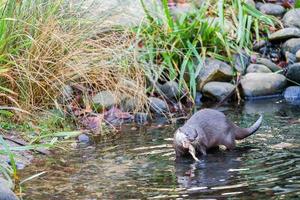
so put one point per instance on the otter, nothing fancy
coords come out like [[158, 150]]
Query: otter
[[207, 129]]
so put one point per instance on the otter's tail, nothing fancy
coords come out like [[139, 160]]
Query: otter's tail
[[241, 133]]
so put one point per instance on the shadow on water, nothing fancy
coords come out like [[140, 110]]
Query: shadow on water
[[140, 164]]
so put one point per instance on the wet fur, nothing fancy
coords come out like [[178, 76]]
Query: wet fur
[[208, 129]]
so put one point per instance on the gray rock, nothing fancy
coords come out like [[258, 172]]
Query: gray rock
[[258, 5], [214, 70], [105, 99], [129, 104], [272, 66], [170, 89], [157, 105], [291, 18], [293, 73], [262, 84], [272, 9], [258, 68], [241, 61], [292, 45], [284, 34], [141, 118], [5, 191], [217, 90], [259, 44], [298, 56], [83, 138], [292, 94], [290, 58]]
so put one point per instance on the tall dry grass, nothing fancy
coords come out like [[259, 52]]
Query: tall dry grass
[[56, 49]]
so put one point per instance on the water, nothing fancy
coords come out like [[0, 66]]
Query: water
[[139, 164]]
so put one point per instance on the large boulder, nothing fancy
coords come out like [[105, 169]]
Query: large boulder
[[217, 90], [272, 9], [293, 72], [285, 34], [272, 66], [5, 191], [214, 70], [258, 68], [105, 99], [292, 45], [157, 105], [292, 94], [291, 18], [262, 84]]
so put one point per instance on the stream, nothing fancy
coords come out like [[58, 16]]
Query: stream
[[140, 164]]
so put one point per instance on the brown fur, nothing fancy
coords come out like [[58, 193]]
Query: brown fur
[[210, 128]]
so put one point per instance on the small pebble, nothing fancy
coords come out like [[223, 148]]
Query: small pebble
[[83, 138]]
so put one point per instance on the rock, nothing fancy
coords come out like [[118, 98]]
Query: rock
[[272, 66], [157, 105], [5, 191], [258, 68], [290, 58], [293, 72], [250, 2], [298, 56], [217, 90], [241, 61], [291, 18], [170, 89], [292, 45], [258, 5], [292, 94], [259, 44], [105, 99], [285, 34], [129, 105], [272, 9], [141, 118], [214, 70], [83, 138], [262, 84]]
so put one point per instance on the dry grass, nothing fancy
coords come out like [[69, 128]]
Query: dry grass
[[57, 58]]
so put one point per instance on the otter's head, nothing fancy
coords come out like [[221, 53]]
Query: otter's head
[[184, 142]]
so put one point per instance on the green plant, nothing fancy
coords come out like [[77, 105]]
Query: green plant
[[179, 44]]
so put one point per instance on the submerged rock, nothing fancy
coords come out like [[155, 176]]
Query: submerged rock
[[293, 72], [291, 18], [292, 45], [285, 34], [105, 99], [272, 9], [292, 94], [258, 68], [5, 191], [170, 89], [157, 105], [214, 70], [262, 84], [272, 66], [217, 90]]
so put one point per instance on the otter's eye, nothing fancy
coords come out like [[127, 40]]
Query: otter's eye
[[192, 136]]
